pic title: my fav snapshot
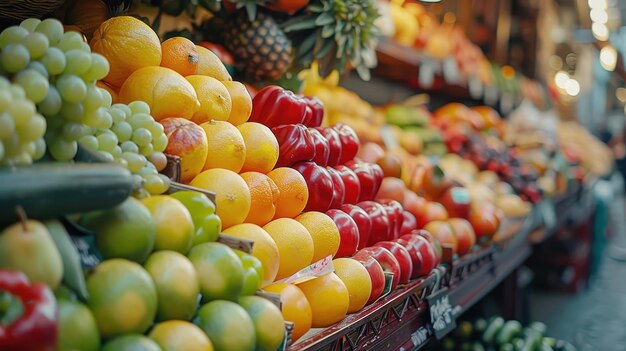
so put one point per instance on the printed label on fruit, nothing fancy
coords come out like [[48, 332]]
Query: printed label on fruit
[[441, 316], [244, 245], [317, 269]]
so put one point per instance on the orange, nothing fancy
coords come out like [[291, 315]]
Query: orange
[[329, 299], [128, 44], [242, 102], [167, 92], [226, 146], [232, 194], [176, 335], [295, 307], [356, 278], [293, 192], [180, 54], [324, 233], [215, 101], [210, 65], [261, 147], [263, 196], [113, 92], [295, 245], [264, 248]]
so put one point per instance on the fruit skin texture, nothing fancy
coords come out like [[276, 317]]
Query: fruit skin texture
[[263, 197], [334, 144], [429, 259], [293, 192], [295, 245], [443, 232], [351, 183], [268, 322], [261, 147], [409, 223], [206, 223], [465, 236], [174, 226], [226, 145], [349, 142], [232, 194], [222, 320], [416, 256], [296, 143], [123, 297], [362, 220], [28, 247], [214, 97], [77, 327], [431, 211], [319, 183], [348, 231], [131, 342], [381, 225], [457, 201], [357, 280], [386, 260], [329, 299], [402, 256], [324, 233], [176, 283], [210, 65], [252, 273], [128, 44], [376, 273], [484, 220], [264, 248], [295, 307], [219, 270], [241, 102], [178, 335], [274, 106], [167, 92], [188, 141], [180, 54], [339, 189]]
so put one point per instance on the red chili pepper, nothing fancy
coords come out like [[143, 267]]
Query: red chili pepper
[[35, 329], [274, 106], [295, 144], [320, 185], [315, 111]]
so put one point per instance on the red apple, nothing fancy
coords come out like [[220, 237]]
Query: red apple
[[381, 226], [322, 149], [433, 241], [429, 256], [394, 212], [348, 232], [391, 188], [465, 236], [319, 183], [339, 189], [402, 256], [367, 179], [334, 143], [386, 260], [457, 202], [378, 176], [432, 211], [362, 220], [349, 142], [444, 233], [188, 141], [409, 222], [416, 256], [351, 183], [377, 275]]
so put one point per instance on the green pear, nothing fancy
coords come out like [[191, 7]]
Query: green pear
[[27, 246]]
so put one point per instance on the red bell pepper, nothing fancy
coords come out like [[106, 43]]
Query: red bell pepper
[[315, 111], [319, 183], [351, 183], [274, 106], [295, 144], [349, 142], [370, 177], [335, 144], [35, 328], [322, 149], [339, 189]]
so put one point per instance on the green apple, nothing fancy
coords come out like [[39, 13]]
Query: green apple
[[207, 224]]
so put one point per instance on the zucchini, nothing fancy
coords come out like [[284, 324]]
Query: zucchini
[[510, 330], [51, 190], [492, 330]]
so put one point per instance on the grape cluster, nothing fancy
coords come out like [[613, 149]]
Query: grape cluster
[[21, 127]]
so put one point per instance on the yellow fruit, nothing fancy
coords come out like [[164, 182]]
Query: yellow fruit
[[210, 65], [263, 195], [269, 324], [264, 248], [226, 146], [180, 336], [173, 221], [293, 192], [324, 233], [215, 101], [294, 245], [180, 54], [232, 194], [242, 102], [128, 44], [329, 299], [295, 307], [168, 93], [105, 86], [261, 147], [357, 280]]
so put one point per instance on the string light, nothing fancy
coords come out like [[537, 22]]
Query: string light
[[572, 88], [561, 78], [600, 31], [597, 4], [608, 58], [599, 15]]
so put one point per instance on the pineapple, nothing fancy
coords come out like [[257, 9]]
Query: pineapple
[[260, 47]]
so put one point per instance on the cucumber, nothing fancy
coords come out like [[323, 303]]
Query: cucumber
[[51, 190], [509, 331], [532, 340], [540, 327], [73, 275], [492, 330], [518, 343]]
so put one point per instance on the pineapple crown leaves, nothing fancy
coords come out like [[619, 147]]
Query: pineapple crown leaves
[[336, 32]]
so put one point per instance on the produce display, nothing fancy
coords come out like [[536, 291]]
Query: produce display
[[151, 200]]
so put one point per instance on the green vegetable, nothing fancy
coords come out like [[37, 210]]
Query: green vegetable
[[540, 327], [492, 330], [510, 330], [73, 275]]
